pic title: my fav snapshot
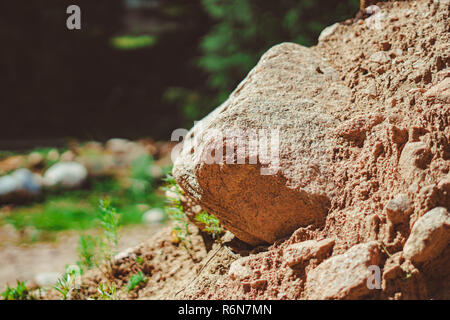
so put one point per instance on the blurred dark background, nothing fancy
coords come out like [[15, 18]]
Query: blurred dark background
[[137, 68]]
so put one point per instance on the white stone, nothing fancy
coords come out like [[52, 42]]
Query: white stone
[[429, 236], [66, 175], [154, 216], [328, 31]]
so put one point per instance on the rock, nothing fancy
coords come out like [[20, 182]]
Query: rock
[[68, 156], [398, 209], [239, 271], [117, 145], [128, 253], [440, 92], [429, 236], [22, 183], [443, 190], [35, 159], [125, 151], [8, 185], [356, 129], [372, 9], [92, 147], [53, 155], [299, 253], [377, 20], [154, 216], [262, 196], [380, 57], [344, 276], [66, 175], [98, 165], [414, 155], [328, 31], [12, 163]]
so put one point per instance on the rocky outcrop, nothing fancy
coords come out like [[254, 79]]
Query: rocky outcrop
[[344, 276], [261, 161], [429, 236], [364, 163]]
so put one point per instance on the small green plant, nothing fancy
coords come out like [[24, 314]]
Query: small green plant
[[130, 42], [136, 280], [109, 220], [20, 292], [142, 181], [97, 251], [87, 247], [139, 260], [175, 212], [210, 222], [385, 249], [64, 285], [107, 291]]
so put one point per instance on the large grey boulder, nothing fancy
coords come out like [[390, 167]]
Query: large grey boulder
[[261, 161]]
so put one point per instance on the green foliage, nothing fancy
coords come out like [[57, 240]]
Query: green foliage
[[211, 223], [107, 291], [136, 280], [175, 211], [142, 182], [130, 42], [243, 31], [109, 219], [95, 252], [20, 292], [139, 260], [77, 210], [64, 285], [87, 248]]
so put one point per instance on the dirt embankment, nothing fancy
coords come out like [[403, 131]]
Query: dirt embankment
[[389, 168]]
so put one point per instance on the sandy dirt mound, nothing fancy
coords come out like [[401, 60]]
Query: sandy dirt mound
[[390, 166]]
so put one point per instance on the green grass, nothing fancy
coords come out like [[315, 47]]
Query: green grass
[[175, 212], [133, 42], [20, 292], [107, 292], [211, 224], [136, 280], [78, 210]]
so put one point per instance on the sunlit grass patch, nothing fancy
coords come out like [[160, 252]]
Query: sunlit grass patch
[[129, 42]]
